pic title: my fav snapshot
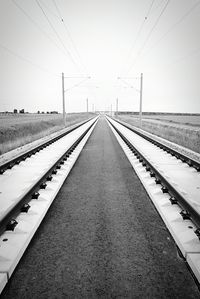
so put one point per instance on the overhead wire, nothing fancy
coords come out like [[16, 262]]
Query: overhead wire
[[38, 26], [56, 33], [129, 85], [77, 84], [182, 58], [180, 20], [27, 60], [61, 19], [50, 10], [159, 4], [69, 34], [149, 35], [140, 29], [90, 91]]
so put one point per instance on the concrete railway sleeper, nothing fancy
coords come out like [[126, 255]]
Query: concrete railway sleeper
[[28, 189], [22, 157], [184, 158], [172, 185], [102, 235]]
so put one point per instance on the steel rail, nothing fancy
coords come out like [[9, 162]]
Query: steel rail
[[22, 157], [188, 212], [191, 162], [8, 222]]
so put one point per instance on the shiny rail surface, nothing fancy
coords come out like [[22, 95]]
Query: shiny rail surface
[[184, 158], [179, 180], [28, 189], [172, 185], [22, 157], [21, 183]]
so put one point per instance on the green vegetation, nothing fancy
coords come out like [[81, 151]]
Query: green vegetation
[[17, 130]]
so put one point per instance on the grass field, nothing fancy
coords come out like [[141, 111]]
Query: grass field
[[183, 130], [19, 129], [179, 118]]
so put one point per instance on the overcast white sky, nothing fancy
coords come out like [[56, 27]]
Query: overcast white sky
[[104, 39]]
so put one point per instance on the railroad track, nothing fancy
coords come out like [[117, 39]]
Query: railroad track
[[29, 183], [172, 181]]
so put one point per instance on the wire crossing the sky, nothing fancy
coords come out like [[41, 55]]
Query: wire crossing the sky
[[140, 29], [148, 36], [39, 27], [178, 22], [56, 33], [61, 18], [28, 60]]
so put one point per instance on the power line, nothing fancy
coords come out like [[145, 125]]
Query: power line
[[68, 33], [129, 85], [77, 84], [180, 20], [56, 33], [150, 8], [159, 4], [50, 11], [27, 60], [37, 25], [141, 28], [182, 58], [60, 18], [149, 35], [142, 25]]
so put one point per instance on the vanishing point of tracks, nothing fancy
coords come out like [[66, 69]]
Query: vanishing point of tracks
[[30, 183]]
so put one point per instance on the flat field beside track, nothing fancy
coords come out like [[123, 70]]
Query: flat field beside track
[[181, 129], [19, 129], [184, 119], [191, 120]]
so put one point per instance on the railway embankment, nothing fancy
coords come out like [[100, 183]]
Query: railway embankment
[[18, 130], [102, 237], [185, 135]]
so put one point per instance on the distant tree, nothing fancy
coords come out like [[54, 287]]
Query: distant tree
[[21, 111], [42, 112], [54, 112], [15, 110], [38, 112]]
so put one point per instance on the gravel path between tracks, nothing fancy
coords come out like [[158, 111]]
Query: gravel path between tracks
[[102, 237]]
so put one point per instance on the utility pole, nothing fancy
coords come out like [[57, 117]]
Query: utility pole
[[140, 92], [87, 104], [63, 99], [116, 107], [141, 89]]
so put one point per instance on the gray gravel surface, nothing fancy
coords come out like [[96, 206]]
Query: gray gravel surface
[[102, 237]]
